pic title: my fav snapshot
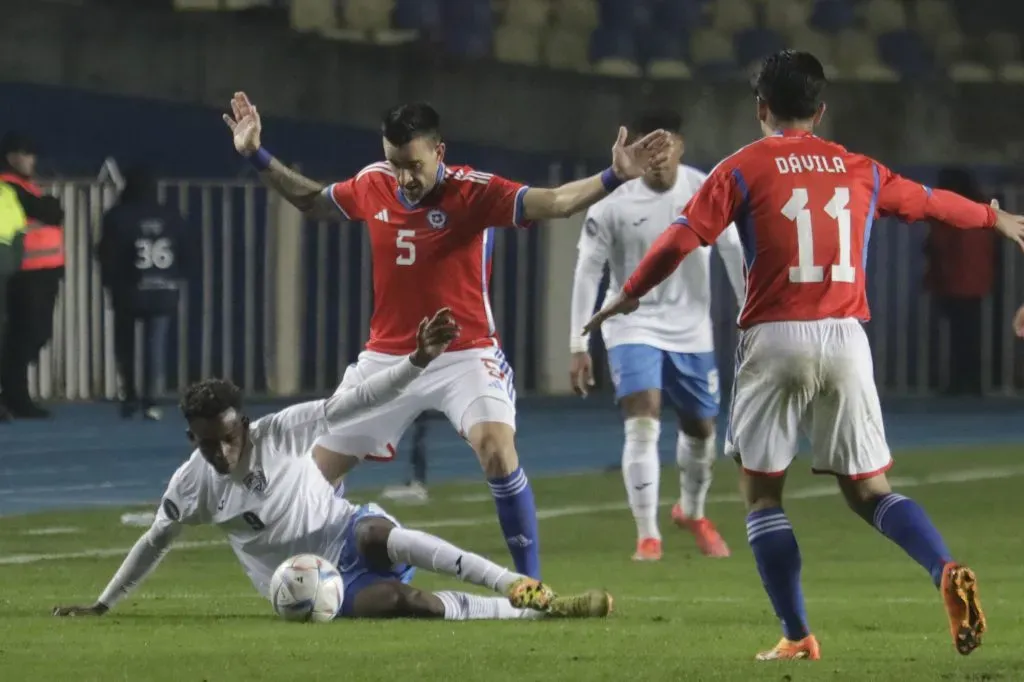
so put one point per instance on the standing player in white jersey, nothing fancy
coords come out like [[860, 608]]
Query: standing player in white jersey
[[260, 484], [430, 228], [666, 346], [805, 208]]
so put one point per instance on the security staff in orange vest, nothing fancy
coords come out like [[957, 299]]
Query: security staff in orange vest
[[32, 291]]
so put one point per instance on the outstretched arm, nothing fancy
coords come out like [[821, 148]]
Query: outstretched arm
[[628, 162], [305, 194], [911, 201], [140, 562], [309, 196]]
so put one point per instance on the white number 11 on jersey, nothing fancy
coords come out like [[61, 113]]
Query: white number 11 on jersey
[[837, 208]]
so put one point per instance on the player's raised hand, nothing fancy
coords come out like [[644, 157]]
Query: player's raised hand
[[630, 161], [1009, 224], [581, 373], [621, 305], [244, 123], [96, 609], [434, 336], [1018, 322]]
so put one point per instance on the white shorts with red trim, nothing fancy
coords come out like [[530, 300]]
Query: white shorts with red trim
[[468, 386], [812, 378]]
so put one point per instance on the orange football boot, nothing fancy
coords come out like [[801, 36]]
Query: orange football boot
[[966, 619], [647, 549], [788, 650], [709, 542]]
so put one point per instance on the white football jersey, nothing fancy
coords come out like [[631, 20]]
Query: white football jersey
[[619, 230], [274, 505]]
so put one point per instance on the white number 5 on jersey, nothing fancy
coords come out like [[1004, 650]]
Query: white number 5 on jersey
[[838, 209], [406, 247]]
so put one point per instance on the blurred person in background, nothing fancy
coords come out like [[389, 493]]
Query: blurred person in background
[[415, 490], [143, 257], [666, 347], [959, 274], [12, 235], [32, 291]]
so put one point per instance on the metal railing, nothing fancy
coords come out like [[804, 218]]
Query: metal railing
[[230, 319]]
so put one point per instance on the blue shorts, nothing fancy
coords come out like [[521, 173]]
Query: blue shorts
[[689, 379], [356, 572]]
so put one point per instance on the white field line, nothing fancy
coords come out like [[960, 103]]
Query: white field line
[[963, 476]]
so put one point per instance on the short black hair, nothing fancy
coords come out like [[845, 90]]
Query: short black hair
[[790, 82], [404, 123], [654, 119], [210, 398]]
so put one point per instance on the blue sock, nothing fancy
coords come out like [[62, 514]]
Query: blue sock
[[517, 515], [778, 561], [904, 522]]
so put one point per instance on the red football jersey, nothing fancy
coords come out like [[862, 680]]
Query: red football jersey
[[804, 207], [432, 254]]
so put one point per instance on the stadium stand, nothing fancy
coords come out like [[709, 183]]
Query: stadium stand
[[867, 40]]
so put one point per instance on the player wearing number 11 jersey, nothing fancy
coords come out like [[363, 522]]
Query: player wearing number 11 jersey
[[805, 208]]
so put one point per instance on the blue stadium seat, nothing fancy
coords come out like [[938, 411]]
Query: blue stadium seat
[[754, 44], [906, 53], [467, 27], [678, 15], [418, 15], [613, 43], [713, 54], [665, 44], [626, 14], [666, 54], [833, 16]]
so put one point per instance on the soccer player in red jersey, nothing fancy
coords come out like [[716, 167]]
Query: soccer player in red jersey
[[430, 232], [805, 207]]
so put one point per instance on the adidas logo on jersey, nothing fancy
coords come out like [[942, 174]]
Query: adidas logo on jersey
[[382, 216]]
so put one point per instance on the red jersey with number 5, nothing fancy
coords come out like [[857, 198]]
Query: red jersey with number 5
[[804, 208], [432, 254]]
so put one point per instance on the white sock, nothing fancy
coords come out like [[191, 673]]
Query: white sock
[[641, 473], [431, 553], [462, 606], [696, 459]]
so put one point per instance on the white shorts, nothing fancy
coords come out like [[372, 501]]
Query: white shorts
[[815, 378], [468, 386]]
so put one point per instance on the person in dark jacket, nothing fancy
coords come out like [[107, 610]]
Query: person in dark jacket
[[32, 291], [960, 272], [143, 255]]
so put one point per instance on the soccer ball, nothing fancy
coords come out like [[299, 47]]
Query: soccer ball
[[307, 588]]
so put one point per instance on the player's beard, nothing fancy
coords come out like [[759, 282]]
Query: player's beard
[[414, 193]]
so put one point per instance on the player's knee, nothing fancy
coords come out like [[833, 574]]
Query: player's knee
[[697, 428], [494, 444], [641, 404], [415, 603], [372, 540], [642, 430], [761, 492], [862, 495]]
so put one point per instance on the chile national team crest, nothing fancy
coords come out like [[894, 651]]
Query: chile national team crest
[[437, 218], [255, 482]]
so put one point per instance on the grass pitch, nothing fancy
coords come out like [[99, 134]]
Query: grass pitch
[[686, 618]]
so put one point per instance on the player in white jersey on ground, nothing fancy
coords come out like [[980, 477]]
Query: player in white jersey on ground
[[260, 483], [667, 345]]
